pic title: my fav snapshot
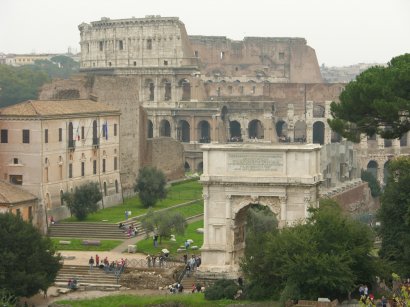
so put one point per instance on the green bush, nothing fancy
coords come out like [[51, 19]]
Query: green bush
[[221, 289], [373, 183]]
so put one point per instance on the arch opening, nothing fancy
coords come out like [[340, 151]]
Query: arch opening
[[235, 131], [184, 131], [300, 131], [255, 129], [204, 132], [319, 133], [164, 128], [372, 168]]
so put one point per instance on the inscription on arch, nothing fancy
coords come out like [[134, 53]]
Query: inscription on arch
[[260, 162]]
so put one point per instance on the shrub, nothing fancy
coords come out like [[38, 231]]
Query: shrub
[[221, 289]]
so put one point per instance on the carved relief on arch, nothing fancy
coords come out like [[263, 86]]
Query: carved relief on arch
[[240, 202]]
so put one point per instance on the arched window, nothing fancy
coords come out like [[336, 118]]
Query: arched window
[[150, 89], [166, 89], [204, 132], [235, 131], [184, 131], [164, 128], [255, 129], [372, 167], [319, 133], [282, 131], [186, 89]]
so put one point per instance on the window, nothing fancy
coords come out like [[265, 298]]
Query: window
[[109, 63], [4, 136], [70, 170], [121, 45], [115, 163], [82, 169], [82, 132], [149, 44], [101, 46], [135, 63], [222, 55], [115, 129], [94, 167], [45, 135], [281, 55], [103, 166], [165, 63], [15, 161], [16, 179], [196, 53], [26, 136], [60, 134]]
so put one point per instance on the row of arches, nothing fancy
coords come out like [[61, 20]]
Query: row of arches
[[374, 169], [165, 89]]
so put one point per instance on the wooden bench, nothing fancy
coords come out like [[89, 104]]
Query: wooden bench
[[92, 242]]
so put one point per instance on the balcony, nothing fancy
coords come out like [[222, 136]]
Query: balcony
[[71, 145]]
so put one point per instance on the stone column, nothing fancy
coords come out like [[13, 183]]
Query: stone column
[[306, 200], [205, 195], [283, 211], [328, 131], [309, 122]]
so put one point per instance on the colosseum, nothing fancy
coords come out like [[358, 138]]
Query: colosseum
[[175, 89]]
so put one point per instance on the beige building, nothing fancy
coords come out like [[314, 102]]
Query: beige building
[[18, 201], [50, 147]]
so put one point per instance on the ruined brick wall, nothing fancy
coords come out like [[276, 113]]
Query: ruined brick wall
[[166, 154], [265, 58], [357, 200], [77, 87]]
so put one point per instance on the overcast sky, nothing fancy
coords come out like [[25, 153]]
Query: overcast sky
[[343, 32]]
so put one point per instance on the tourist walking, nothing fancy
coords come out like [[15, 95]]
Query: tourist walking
[[91, 263]]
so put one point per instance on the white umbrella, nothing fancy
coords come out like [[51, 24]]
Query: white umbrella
[[165, 251]]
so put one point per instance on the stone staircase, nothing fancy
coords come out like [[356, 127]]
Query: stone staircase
[[187, 282], [90, 230], [97, 279]]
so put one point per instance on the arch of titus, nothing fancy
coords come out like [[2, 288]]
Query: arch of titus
[[284, 178]]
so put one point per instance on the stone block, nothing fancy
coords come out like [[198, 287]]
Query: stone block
[[132, 248], [200, 230]]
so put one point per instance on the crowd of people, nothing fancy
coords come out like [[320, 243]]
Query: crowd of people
[[105, 264], [130, 231], [159, 260]]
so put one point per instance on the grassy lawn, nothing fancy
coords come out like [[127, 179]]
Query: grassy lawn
[[76, 245], [177, 194], [194, 299], [146, 246]]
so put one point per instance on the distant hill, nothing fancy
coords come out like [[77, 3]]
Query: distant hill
[[344, 74]]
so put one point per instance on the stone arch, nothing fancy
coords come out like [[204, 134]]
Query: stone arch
[[187, 167], [166, 89], [164, 128], [386, 171], [255, 129], [150, 129], [235, 131], [281, 129], [204, 131], [149, 89], [372, 167], [186, 89], [319, 133], [240, 207], [300, 131], [184, 134]]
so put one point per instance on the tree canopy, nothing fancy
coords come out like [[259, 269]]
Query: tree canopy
[[377, 102], [163, 223], [28, 260], [84, 200], [24, 82], [150, 184], [394, 215], [325, 257]]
